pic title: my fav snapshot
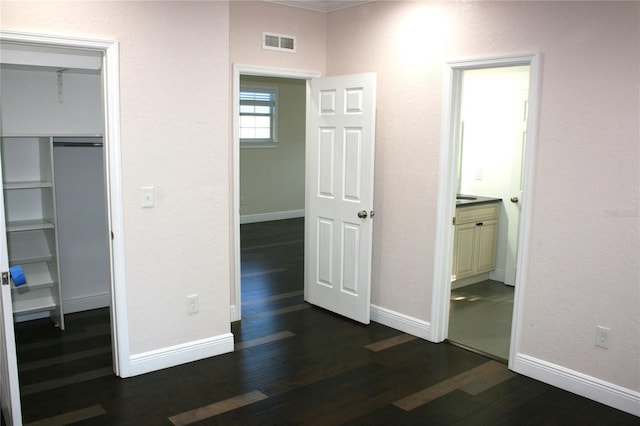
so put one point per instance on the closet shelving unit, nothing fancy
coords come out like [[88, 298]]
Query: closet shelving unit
[[28, 189]]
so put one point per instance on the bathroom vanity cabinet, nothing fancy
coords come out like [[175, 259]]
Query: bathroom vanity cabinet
[[475, 240]]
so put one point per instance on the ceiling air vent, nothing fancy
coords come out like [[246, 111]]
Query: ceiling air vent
[[283, 43]]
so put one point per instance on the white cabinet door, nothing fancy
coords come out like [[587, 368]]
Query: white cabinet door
[[339, 179], [10, 395], [487, 242], [464, 264]]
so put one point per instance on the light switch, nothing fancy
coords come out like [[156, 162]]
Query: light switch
[[147, 196]]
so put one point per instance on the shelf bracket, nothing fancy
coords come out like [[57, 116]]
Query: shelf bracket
[[60, 87]]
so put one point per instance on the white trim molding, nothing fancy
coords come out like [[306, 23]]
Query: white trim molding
[[581, 384], [86, 303], [267, 217], [401, 322], [452, 82], [180, 354], [234, 314]]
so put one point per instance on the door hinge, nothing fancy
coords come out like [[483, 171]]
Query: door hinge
[[453, 220], [5, 278]]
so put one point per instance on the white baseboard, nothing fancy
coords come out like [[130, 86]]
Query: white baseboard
[[573, 381], [266, 217], [86, 303], [474, 279], [497, 275], [401, 322], [235, 315], [180, 354]]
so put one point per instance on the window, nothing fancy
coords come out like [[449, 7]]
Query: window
[[258, 117]]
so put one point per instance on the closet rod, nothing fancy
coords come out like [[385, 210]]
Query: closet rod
[[89, 144]]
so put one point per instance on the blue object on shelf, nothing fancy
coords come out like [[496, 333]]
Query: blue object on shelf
[[17, 275]]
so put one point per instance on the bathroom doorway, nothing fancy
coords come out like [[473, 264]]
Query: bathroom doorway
[[492, 139], [448, 187]]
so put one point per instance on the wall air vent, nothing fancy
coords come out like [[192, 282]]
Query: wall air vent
[[283, 43]]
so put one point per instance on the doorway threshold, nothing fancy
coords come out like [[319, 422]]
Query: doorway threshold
[[478, 351]]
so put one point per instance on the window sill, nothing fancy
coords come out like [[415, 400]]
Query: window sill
[[258, 144]]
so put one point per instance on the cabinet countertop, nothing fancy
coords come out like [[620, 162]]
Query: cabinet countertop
[[469, 200]]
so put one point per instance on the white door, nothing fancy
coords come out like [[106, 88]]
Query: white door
[[513, 205], [339, 204], [10, 390]]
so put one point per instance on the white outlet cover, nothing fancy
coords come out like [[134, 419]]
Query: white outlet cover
[[148, 198]]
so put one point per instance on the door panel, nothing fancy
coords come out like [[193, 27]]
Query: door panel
[[10, 390], [340, 160], [487, 242]]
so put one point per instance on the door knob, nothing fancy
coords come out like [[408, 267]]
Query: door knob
[[514, 199], [362, 214]]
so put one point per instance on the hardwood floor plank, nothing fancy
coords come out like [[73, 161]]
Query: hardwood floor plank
[[476, 375], [38, 342], [58, 383], [498, 374], [389, 343], [216, 408], [273, 298], [262, 273], [275, 312], [272, 245], [262, 340], [75, 356], [71, 417]]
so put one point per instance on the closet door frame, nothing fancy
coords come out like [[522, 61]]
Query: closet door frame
[[109, 51]]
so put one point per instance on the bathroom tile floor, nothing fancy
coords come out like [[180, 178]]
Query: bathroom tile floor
[[480, 317]]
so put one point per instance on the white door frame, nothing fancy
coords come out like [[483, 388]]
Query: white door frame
[[447, 189], [238, 70], [113, 179]]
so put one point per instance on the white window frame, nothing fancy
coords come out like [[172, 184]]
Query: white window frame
[[261, 143]]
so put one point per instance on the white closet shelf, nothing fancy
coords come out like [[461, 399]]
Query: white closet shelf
[[29, 247], [27, 185], [30, 259], [28, 225], [43, 302], [37, 276]]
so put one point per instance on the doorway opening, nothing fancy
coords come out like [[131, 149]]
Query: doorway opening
[[492, 139], [474, 169], [254, 203], [338, 190], [272, 194], [96, 62]]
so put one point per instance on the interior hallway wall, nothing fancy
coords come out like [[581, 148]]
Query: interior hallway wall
[[584, 243], [174, 94], [249, 19]]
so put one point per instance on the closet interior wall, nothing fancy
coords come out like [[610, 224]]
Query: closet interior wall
[[55, 103]]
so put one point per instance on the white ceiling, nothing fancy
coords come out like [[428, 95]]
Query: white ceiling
[[325, 6]]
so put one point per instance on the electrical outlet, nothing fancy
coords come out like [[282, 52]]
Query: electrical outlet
[[603, 334], [192, 304]]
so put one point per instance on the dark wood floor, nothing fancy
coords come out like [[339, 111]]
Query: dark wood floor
[[293, 364]]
